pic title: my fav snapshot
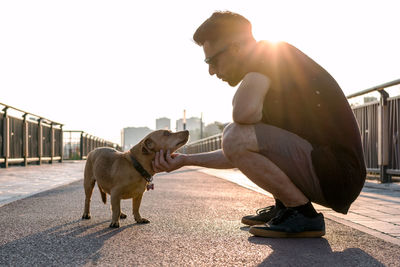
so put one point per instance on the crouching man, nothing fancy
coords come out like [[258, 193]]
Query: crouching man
[[293, 132]]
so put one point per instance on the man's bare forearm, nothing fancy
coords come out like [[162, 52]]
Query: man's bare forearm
[[215, 159]]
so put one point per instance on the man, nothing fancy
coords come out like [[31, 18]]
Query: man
[[293, 131]]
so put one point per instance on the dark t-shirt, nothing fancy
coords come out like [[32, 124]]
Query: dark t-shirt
[[305, 99]]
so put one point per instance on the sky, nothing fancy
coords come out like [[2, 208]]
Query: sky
[[99, 66]]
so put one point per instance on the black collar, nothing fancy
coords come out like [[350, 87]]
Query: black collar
[[141, 170]]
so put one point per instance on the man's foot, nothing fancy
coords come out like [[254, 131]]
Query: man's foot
[[291, 223], [262, 216]]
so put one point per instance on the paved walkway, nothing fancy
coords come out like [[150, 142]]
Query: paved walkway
[[21, 182], [195, 221], [376, 211]]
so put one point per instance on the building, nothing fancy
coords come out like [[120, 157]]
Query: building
[[130, 136], [369, 99], [214, 128], [193, 125], [163, 123]]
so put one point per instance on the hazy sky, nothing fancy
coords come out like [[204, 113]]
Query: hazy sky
[[100, 66]]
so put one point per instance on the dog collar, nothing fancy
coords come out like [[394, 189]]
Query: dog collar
[[141, 170]]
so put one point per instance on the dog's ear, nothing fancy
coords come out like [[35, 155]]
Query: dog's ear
[[147, 146]]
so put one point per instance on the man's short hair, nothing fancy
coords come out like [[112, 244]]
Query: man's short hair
[[221, 25]]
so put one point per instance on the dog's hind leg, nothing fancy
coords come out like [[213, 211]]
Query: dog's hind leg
[[88, 184]]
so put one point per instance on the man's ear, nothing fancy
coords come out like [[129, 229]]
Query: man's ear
[[147, 146]]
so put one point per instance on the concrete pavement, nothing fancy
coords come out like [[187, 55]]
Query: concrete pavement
[[376, 211], [20, 182], [195, 220]]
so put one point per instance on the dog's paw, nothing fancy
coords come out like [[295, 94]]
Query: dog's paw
[[114, 225], [142, 220], [86, 216], [122, 216]]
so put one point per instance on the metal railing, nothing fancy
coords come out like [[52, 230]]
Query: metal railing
[[78, 144], [210, 143], [26, 137], [379, 124]]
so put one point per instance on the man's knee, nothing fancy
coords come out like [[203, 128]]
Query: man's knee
[[238, 138]]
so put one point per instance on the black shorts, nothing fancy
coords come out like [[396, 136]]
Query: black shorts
[[292, 154]]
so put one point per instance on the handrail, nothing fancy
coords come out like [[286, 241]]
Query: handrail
[[375, 88], [25, 112], [84, 144], [205, 139]]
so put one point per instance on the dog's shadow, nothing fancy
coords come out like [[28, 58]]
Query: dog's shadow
[[74, 243]]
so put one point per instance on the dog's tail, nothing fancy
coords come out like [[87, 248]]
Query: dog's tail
[[103, 194]]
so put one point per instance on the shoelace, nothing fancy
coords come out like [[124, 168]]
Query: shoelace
[[283, 215], [264, 210]]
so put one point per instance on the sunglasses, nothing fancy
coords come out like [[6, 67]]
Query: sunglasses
[[212, 60]]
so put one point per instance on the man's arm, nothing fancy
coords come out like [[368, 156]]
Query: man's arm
[[249, 98], [214, 159]]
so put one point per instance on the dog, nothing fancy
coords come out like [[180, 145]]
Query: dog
[[125, 175]]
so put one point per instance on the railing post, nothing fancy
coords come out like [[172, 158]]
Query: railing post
[[6, 135], [61, 144], [25, 139], [51, 142], [383, 137], [81, 146], [40, 141]]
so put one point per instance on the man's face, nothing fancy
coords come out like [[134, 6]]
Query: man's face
[[221, 59]]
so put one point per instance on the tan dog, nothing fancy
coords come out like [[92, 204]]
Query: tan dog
[[122, 175]]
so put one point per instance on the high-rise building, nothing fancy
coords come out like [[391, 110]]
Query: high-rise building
[[163, 123], [192, 123], [130, 136]]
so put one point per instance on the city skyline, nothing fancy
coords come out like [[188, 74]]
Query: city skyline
[[131, 135]]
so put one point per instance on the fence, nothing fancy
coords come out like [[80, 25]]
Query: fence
[[204, 145], [78, 144], [26, 137], [379, 124]]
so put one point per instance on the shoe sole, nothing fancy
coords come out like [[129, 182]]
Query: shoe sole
[[277, 234], [251, 222]]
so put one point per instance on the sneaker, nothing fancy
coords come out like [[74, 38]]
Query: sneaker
[[291, 223], [262, 216]]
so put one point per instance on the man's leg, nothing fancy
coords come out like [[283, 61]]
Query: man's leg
[[240, 146]]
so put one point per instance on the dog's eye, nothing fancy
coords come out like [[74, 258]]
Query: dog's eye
[[166, 133]]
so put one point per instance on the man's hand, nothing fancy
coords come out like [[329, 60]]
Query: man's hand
[[168, 163]]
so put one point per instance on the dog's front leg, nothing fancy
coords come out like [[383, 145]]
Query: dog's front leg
[[116, 209], [135, 209]]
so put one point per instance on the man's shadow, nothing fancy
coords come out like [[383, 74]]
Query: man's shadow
[[311, 252], [73, 243]]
